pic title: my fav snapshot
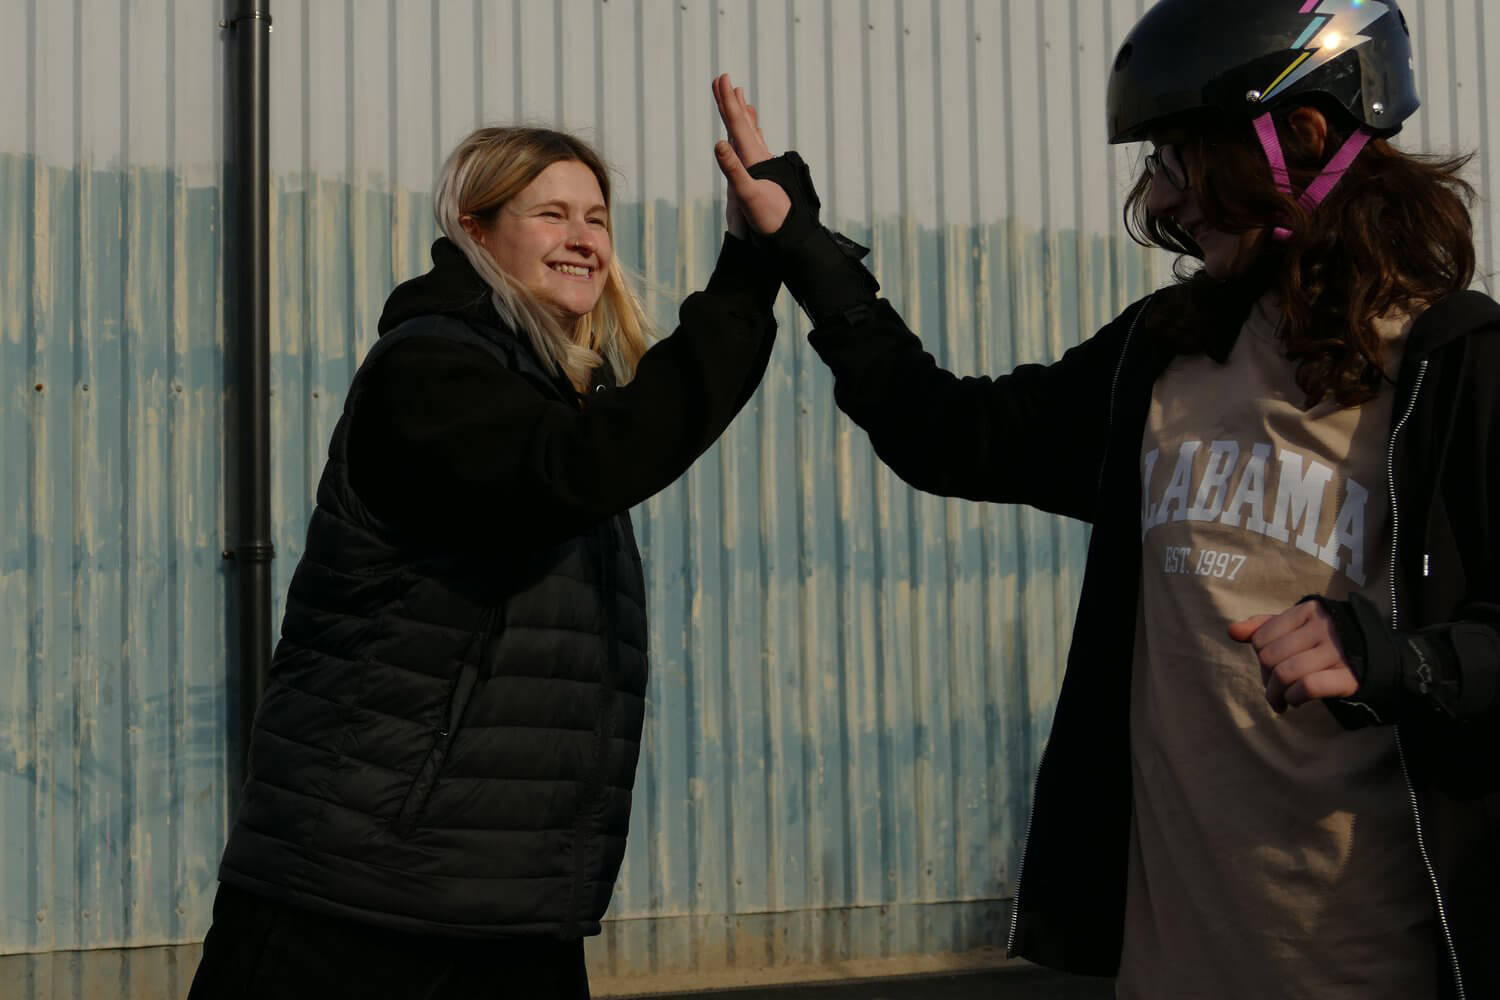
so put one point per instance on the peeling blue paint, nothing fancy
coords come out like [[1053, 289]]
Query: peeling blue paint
[[112, 787], [852, 679]]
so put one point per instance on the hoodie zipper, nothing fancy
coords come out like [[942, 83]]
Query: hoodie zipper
[[1114, 387], [1411, 791], [1390, 480]]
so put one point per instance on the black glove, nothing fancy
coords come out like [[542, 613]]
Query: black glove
[[1399, 673], [819, 267]]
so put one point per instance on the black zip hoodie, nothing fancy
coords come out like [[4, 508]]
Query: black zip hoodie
[[1066, 438]]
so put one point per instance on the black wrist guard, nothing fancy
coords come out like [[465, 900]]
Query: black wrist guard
[[819, 267], [1399, 673]]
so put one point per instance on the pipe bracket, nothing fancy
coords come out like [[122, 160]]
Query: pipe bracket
[[252, 552], [254, 15]]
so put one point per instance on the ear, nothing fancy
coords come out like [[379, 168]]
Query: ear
[[473, 228], [1311, 129]]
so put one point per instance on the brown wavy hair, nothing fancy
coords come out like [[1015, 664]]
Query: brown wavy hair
[[1394, 234]]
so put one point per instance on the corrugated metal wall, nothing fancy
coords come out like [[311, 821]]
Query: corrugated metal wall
[[852, 680], [112, 692]]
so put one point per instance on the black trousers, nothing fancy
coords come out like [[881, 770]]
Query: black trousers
[[261, 950]]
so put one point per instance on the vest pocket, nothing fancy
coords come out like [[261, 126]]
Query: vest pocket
[[415, 803]]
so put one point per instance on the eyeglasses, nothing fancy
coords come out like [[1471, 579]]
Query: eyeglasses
[[1167, 160]]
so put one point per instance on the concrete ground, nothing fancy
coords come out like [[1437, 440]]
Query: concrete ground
[[1028, 983]]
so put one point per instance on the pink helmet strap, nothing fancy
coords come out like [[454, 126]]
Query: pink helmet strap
[[1265, 131]]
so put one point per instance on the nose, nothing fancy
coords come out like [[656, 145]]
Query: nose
[[1162, 198], [582, 239]]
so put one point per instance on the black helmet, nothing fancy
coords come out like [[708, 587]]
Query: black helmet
[[1249, 57]]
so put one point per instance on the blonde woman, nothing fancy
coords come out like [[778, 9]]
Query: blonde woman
[[440, 772]]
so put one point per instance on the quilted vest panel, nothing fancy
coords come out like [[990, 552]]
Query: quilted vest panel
[[447, 743]]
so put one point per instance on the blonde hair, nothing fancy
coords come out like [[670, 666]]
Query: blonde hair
[[486, 170]]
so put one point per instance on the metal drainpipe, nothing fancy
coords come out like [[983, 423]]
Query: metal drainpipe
[[248, 27]]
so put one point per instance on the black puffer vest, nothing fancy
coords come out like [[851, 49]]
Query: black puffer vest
[[448, 741]]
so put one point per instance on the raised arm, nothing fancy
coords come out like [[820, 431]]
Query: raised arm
[[1035, 436], [451, 443]]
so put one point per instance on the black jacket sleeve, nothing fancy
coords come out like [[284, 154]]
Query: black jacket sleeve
[[454, 448], [1441, 670], [1447, 671], [1034, 436]]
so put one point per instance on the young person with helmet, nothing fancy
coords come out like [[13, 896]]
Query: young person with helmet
[[440, 772], [1291, 462]]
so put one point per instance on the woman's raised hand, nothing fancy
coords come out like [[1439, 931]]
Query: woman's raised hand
[[762, 204]]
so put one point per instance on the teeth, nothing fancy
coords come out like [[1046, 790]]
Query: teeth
[[573, 269]]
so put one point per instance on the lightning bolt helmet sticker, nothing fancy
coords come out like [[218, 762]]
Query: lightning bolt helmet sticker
[[1333, 30]]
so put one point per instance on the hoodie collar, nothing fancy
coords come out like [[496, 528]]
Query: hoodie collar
[[1451, 318], [451, 288], [454, 288]]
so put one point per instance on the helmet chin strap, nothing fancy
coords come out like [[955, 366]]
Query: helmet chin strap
[[1265, 130]]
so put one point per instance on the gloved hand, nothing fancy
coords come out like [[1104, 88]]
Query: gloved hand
[[776, 197]]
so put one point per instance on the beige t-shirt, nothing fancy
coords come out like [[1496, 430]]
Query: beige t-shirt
[[1270, 856]]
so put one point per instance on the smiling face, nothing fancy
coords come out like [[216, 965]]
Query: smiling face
[[1174, 195], [553, 237]]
